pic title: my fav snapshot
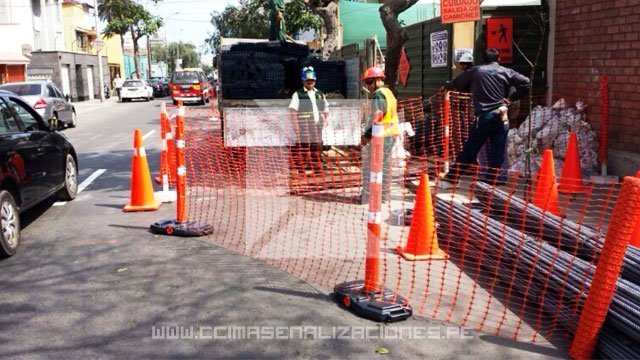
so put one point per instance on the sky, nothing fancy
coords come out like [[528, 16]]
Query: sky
[[188, 20]]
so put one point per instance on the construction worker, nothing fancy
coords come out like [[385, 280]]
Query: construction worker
[[465, 61], [310, 115], [489, 84], [382, 102], [277, 30]]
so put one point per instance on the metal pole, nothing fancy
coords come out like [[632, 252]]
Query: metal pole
[[149, 54], [100, 70]]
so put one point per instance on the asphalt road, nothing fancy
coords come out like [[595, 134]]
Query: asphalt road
[[90, 281]]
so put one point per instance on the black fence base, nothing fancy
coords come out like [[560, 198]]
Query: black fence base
[[381, 306], [184, 229]]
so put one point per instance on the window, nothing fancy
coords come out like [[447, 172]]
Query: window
[[133, 84], [5, 8], [51, 92], [35, 8], [24, 89], [7, 122], [20, 112], [58, 92], [81, 41]]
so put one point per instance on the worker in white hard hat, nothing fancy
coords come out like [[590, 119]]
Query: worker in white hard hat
[[466, 61]]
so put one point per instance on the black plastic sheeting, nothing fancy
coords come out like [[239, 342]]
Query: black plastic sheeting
[[272, 70], [560, 281]]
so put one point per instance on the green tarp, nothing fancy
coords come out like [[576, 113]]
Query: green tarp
[[361, 21]]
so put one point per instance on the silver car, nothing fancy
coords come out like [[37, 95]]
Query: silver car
[[47, 99]]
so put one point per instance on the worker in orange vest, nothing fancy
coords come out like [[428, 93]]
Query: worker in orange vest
[[382, 101]]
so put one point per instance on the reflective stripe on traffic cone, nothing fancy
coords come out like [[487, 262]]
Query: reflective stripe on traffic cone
[[142, 197]]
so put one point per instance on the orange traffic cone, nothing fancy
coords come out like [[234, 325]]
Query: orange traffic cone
[[423, 239], [571, 179], [142, 197], [635, 239], [546, 195]]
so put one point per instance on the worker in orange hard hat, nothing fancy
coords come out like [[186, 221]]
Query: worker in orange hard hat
[[382, 101]]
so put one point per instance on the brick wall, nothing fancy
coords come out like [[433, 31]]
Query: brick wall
[[601, 37]]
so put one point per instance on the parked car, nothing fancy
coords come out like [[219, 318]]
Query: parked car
[[159, 89], [190, 85], [47, 99], [37, 163], [136, 89]]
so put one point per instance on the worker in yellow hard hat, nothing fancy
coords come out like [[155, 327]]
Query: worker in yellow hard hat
[[383, 103]]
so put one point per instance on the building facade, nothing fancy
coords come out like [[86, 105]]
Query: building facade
[[74, 67], [592, 39], [16, 30]]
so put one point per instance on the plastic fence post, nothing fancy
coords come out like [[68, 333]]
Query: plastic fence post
[[603, 284], [372, 266], [181, 186]]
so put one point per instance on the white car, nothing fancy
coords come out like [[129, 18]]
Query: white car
[[136, 89]]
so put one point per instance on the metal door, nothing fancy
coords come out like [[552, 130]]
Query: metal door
[[66, 87], [90, 82]]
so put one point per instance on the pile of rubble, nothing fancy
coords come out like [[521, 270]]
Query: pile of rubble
[[550, 129]]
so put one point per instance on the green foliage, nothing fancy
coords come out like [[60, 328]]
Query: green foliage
[[169, 54], [250, 19], [124, 16]]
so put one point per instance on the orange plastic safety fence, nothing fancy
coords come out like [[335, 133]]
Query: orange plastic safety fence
[[514, 269]]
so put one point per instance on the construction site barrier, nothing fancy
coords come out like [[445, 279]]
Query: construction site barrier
[[518, 258]]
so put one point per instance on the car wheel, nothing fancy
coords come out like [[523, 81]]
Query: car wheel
[[74, 120], [9, 225], [70, 189]]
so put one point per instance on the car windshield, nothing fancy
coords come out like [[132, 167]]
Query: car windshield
[[23, 89], [133, 84], [188, 77], [154, 82]]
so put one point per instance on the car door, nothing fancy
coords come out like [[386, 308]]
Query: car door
[[65, 107], [15, 154], [57, 107], [40, 148]]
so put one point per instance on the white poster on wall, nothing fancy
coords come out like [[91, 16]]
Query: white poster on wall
[[439, 49]]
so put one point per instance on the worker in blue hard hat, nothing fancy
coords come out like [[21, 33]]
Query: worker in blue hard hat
[[310, 115]]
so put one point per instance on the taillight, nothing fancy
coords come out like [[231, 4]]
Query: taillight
[[196, 87], [41, 104]]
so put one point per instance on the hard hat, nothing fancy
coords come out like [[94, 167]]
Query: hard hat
[[373, 73], [466, 58], [308, 73]]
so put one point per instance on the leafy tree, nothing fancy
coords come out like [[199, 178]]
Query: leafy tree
[[128, 16], [177, 50], [250, 19]]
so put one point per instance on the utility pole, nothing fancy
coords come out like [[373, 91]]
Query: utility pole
[[98, 40], [149, 55]]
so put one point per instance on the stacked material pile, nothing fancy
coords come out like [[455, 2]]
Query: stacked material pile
[[550, 129], [550, 260], [271, 70]]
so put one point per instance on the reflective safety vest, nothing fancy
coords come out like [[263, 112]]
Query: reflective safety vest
[[390, 119]]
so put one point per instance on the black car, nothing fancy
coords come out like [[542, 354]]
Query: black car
[[36, 162], [164, 82], [158, 89]]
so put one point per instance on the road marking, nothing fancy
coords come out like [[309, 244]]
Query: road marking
[[83, 185], [148, 134]]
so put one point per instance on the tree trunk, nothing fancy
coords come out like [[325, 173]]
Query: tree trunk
[[328, 10], [396, 37], [329, 15], [136, 50]]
